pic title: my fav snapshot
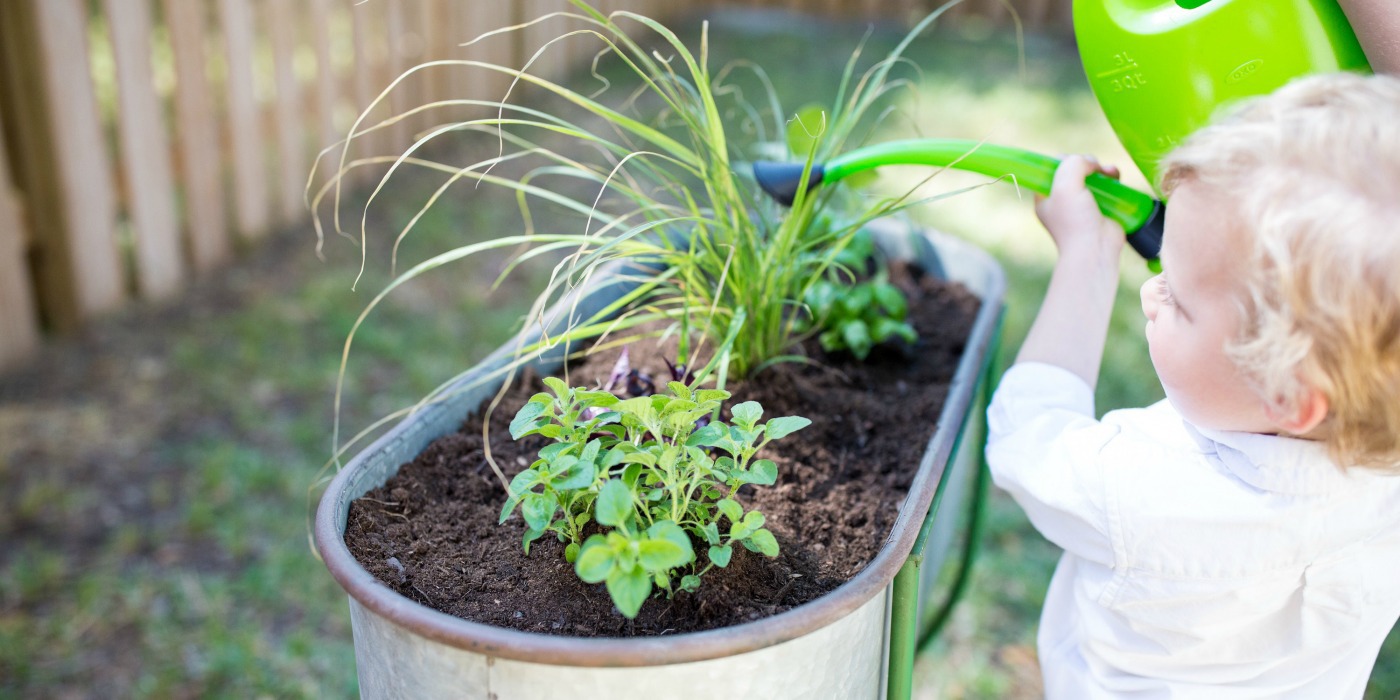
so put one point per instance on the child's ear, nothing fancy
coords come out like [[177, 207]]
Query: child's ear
[[1307, 413]]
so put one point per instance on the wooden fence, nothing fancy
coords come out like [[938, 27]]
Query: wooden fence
[[142, 142]]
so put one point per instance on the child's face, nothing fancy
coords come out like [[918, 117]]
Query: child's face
[[1192, 313]]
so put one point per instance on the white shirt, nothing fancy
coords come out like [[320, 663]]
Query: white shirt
[[1197, 564]]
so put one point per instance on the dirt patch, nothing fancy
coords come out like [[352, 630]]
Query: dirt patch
[[430, 532]]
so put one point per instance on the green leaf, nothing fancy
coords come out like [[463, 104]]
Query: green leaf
[[614, 505], [530, 536], [553, 431], [579, 476], [538, 510], [751, 522], [594, 561], [613, 457], [820, 299], [523, 481], [679, 389], [707, 395], [595, 399], [558, 386], [831, 340], [711, 533], [856, 299], [779, 428], [560, 465], [690, 583], [590, 451], [508, 508], [630, 474], [667, 531], [747, 413], [763, 472], [720, 555], [571, 552], [641, 408], [805, 129], [707, 436], [629, 589], [524, 420], [551, 452], [765, 542], [857, 338], [882, 329], [731, 509], [892, 301], [641, 457], [660, 555]]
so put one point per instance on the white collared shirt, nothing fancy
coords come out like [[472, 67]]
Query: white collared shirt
[[1198, 564]]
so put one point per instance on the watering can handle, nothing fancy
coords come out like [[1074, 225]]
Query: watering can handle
[[1140, 214]]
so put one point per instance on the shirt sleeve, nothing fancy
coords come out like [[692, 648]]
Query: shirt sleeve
[[1044, 448]]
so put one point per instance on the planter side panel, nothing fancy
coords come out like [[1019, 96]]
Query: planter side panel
[[843, 661], [393, 662]]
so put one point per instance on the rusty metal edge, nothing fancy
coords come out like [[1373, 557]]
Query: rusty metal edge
[[682, 648]]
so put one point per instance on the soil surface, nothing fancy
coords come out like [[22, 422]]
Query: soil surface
[[430, 532]]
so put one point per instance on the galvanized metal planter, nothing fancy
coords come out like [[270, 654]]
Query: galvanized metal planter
[[856, 642]]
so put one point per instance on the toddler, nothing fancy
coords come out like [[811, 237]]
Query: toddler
[[1240, 539]]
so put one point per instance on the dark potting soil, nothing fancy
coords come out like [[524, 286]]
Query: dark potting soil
[[430, 532]]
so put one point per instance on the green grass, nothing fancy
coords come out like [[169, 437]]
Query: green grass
[[154, 476]]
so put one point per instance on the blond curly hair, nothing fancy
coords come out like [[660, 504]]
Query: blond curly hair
[[1313, 171]]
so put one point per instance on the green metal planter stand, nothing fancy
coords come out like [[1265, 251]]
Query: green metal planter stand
[[907, 636]]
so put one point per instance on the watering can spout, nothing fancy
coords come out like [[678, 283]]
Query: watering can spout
[[782, 181], [1140, 214]]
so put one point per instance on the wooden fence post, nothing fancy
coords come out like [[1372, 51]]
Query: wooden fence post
[[198, 135], [19, 322], [252, 206], [61, 161], [285, 19], [369, 70], [145, 152]]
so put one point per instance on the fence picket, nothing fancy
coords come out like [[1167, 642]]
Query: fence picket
[[401, 99], [327, 84], [252, 205], [197, 135], [19, 322], [369, 62], [499, 49], [81, 270], [292, 167], [145, 152]]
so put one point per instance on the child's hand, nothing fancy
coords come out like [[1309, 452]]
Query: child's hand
[[1073, 217], [1070, 329]]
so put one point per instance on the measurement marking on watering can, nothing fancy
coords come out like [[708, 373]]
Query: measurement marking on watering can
[[1129, 75]]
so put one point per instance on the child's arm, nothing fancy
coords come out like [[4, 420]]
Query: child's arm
[[1377, 26], [1070, 329]]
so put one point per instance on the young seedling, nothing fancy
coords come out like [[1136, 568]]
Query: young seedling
[[644, 471]]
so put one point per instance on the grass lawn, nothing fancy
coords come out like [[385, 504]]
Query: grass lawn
[[157, 473]]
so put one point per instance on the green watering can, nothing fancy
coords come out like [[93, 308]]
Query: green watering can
[[1159, 69]]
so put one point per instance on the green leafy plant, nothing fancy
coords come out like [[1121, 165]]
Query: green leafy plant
[[650, 472], [854, 311]]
